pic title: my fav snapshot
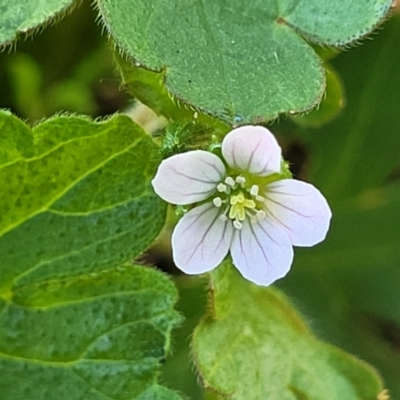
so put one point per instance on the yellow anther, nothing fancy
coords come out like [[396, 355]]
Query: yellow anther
[[237, 199]]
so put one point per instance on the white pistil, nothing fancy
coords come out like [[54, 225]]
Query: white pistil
[[223, 217], [217, 202], [260, 198]]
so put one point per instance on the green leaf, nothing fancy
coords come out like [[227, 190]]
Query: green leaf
[[335, 22], [253, 345], [330, 106], [148, 87], [178, 371], [94, 336], [360, 149], [241, 62], [77, 197], [349, 285], [22, 16], [26, 79]]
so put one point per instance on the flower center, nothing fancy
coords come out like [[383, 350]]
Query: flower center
[[239, 200]]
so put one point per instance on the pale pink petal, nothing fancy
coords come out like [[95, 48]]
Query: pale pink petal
[[262, 252], [201, 240], [188, 177], [300, 209], [253, 149]]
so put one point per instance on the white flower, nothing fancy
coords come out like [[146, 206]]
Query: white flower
[[246, 207]]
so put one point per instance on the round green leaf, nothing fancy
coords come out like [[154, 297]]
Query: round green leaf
[[148, 87], [244, 62], [330, 106], [253, 345]]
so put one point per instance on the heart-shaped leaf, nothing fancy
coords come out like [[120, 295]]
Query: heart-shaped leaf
[[253, 345], [148, 87], [240, 61]]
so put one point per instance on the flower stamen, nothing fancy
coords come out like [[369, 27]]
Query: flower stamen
[[254, 190], [241, 180], [237, 224], [231, 182], [222, 188], [260, 214], [240, 204], [217, 202]]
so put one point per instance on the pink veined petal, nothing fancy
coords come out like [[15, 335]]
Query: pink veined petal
[[188, 177], [300, 209], [201, 240], [261, 252], [253, 149]]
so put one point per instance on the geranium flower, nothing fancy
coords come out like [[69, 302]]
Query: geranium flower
[[244, 204]]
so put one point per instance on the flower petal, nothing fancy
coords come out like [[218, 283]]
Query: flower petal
[[261, 252], [253, 149], [201, 240], [300, 209], [188, 177]]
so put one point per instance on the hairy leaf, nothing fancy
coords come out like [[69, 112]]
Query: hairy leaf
[[94, 336], [21, 16], [77, 202], [239, 61], [178, 371], [330, 106], [360, 149], [148, 87], [76, 197], [253, 345], [350, 284]]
